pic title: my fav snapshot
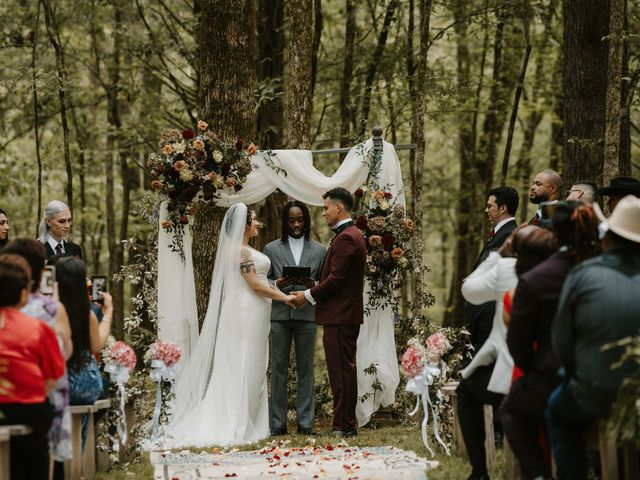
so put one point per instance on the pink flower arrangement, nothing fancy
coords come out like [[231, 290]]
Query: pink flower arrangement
[[122, 355], [437, 345], [168, 352], [412, 360]]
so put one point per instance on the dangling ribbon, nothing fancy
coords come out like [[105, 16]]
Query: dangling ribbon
[[160, 372], [120, 375], [419, 385]]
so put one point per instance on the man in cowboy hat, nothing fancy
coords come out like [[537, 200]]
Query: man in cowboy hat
[[599, 304], [620, 186]]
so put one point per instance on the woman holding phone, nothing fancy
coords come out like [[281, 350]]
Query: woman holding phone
[[50, 311]]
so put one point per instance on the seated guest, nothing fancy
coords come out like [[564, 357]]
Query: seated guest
[[529, 335], [49, 310], [29, 350], [620, 187], [53, 229], [599, 304], [89, 337], [4, 229], [582, 191]]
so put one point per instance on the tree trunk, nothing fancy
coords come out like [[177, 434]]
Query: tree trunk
[[36, 113], [299, 100], [585, 55], [373, 66], [346, 106], [54, 38], [418, 94], [318, 23], [557, 126], [613, 114], [226, 36], [454, 313]]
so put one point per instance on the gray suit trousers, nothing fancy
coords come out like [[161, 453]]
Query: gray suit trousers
[[304, 335]]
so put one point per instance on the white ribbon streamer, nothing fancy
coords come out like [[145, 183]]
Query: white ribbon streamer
[[120, 375], [159, 372], [419, 385]]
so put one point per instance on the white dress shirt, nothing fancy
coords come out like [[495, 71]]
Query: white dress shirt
[[296, 245], [501, 224], [53, 243]]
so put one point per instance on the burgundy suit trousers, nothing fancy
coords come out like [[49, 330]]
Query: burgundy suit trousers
[[340, 350]]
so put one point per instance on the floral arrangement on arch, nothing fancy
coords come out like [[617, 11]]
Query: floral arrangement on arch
[[196, 166], [387, 233]]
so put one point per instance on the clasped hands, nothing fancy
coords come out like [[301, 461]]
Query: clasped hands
[[296, 300]]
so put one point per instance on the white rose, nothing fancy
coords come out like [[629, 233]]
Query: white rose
[[219, 183], [186, 175], [217, 156], [178, 147], [383, 204]]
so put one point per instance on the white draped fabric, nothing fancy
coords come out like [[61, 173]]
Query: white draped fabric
[[177, 317]]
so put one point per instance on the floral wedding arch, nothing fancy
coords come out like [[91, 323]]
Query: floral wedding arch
[[292, 172]]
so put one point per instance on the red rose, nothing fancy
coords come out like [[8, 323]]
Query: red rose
[[184, 220], [387, 240], [226, 169], [239, 144], [237, 187], [359, 193], [188, 134], [388, 195], [361, 222]]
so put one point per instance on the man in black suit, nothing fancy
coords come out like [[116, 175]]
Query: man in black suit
[[545, 187], [472, 392], [54, 228]]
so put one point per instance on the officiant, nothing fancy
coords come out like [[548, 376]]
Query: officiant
[[296, 261]]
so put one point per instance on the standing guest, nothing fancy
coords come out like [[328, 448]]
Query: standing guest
[[340, 308], [502, 204], [4, 229], [546, 187], [529, 336], [52, 312], [294, 248], [599, 304], [583, 191], [29, 349], [89, 337], [619, 187], [54, 228]]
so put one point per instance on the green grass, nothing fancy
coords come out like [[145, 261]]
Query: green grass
[[406, 437]]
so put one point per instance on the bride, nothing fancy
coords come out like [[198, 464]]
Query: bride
[[221, 396]]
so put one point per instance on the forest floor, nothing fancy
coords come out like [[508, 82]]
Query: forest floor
[[405, 437]]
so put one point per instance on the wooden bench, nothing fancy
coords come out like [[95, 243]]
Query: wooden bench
[[513, 471], [597, 438], [6, 432], [83, 463]]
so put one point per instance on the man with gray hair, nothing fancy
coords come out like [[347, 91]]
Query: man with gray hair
[[583, 191]]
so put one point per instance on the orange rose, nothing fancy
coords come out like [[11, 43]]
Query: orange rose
[[156, 185], [251, 149], [167, 224], [213, 176], [231, 182], [202, 125], [167, 149], [198, 145], [180, 165], [397, 253], [378, 194], [375, 240], [408, 224]]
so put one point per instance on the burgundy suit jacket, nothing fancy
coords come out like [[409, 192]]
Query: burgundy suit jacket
[[339, 292]]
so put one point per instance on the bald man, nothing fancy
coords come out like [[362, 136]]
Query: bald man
[[546, 187]]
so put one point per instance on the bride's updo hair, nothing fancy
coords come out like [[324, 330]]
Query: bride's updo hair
[[228, 224], [249, 215]]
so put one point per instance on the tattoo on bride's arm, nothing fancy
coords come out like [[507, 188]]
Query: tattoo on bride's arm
[[246, 262]]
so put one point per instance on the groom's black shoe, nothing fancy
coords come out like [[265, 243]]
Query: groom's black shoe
[[352, 432], [276, 432]]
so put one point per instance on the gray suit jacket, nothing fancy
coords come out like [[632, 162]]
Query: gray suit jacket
[[280, 255]]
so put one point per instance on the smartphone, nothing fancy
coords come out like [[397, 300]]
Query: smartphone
[[99, 286], [48, 280]]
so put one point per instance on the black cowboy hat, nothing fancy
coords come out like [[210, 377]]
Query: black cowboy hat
[[621, 186]]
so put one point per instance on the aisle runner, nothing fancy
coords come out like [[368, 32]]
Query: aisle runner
[[310, 462]]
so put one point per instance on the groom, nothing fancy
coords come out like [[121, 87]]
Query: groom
[[339, 307]]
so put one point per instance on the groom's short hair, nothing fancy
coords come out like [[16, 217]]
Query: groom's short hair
[[341, 195]]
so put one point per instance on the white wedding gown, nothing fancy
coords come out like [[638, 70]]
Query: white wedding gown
[[235, 408]]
